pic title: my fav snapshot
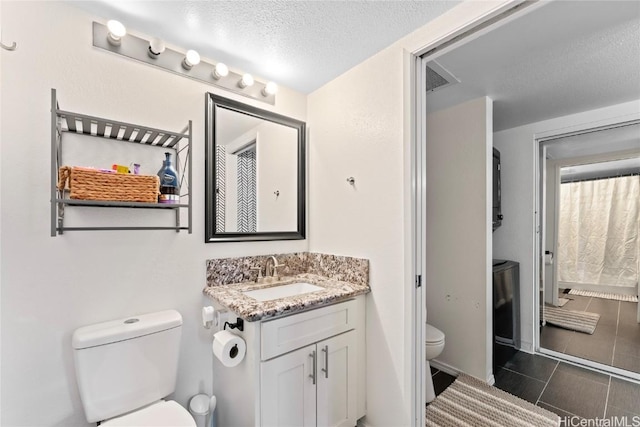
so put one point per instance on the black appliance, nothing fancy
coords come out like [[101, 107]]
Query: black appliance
[[497, 202], [506, 310]]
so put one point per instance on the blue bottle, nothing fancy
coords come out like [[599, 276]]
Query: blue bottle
[[169, 185]]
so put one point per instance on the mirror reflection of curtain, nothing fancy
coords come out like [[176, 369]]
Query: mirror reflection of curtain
[[221, 178], [247, 191], [598, 228]]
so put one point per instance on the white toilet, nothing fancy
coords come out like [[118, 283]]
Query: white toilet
[[125, 368], [434, 344]]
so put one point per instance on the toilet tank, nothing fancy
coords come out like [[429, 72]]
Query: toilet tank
[[124, 364]]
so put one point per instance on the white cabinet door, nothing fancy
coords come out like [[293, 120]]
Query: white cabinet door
[[288, 389], [337, 395]]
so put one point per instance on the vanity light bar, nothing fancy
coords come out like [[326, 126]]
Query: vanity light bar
[[137, 48]]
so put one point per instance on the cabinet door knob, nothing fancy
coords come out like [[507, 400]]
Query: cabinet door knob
[[313, 369], [326, 361]]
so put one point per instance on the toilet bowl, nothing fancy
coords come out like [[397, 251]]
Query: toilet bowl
[[434, 344]]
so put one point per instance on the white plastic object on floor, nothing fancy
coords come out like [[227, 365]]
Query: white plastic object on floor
[[199, 408], [212, 411]]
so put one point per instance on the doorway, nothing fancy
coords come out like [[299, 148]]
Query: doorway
[[537, 69], [590, 197]]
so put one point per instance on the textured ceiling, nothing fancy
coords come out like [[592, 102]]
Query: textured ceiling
[[562, 58], [299, 44]]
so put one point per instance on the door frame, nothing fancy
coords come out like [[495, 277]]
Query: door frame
[[415, 102], [548, 180]]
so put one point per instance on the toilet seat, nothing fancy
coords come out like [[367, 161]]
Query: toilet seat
[[433, 335], [160, 414]]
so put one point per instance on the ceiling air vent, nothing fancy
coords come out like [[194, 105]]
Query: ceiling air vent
[[437, 77]]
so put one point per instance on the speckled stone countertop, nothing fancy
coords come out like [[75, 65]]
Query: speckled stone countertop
[[251, 310]]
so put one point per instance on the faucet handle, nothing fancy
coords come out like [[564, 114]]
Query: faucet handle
[[259, 270]]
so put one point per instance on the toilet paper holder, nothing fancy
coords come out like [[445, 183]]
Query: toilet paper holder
[[239, 325]]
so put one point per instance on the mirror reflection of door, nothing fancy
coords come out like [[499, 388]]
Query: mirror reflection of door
[[247, 188], [256, 174], [592, 225]]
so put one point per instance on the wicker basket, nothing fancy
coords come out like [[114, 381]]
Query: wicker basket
[[88, 184]]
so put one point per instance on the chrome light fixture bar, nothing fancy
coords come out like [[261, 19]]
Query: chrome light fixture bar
[[153, 52]]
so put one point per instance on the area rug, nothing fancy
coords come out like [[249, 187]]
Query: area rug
[[605, 295], [581, 321], [562, 301], [469, 402]]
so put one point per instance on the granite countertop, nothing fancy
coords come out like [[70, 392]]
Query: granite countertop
[[251, 310]]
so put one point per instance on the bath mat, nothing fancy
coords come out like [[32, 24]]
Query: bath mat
[[469, 402], [581, 321], [605, 295], [562, 301]]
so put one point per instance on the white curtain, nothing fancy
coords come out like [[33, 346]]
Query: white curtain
[[598, 227]]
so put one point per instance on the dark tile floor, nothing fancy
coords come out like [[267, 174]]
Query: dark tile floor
[[564, 389], [615, 342]]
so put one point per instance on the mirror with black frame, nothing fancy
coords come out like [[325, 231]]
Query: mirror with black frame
[[255, 173]]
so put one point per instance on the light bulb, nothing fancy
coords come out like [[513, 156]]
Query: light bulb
[[246, 81], [156, 47], [220, 71], [116, 32], [270, 89], [192, 58]]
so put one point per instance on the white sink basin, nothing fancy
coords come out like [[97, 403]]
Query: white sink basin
[[282, 291]]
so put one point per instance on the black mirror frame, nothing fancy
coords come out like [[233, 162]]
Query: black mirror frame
[[212, 102]]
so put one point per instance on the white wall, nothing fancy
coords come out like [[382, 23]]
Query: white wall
[[52, 285], [276, 159], [1, 250], [360, 126], [458, 248], [515, 240], [355, 132]]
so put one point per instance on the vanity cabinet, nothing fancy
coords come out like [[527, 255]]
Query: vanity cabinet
[[305, 369], [315, 385]]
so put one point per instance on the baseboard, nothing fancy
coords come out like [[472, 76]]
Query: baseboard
[[491, 380], [526, 347], [621, 290], [448, 369]]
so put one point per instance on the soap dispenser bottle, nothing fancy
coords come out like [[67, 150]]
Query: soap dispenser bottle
[[169, 185]]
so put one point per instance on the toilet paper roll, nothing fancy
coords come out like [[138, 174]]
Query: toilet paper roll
[[229, 348]]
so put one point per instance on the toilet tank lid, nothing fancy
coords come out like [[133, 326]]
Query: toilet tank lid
[[125, 328]]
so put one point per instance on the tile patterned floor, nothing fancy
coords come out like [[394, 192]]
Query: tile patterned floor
[[564, 389], [615, 342]]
